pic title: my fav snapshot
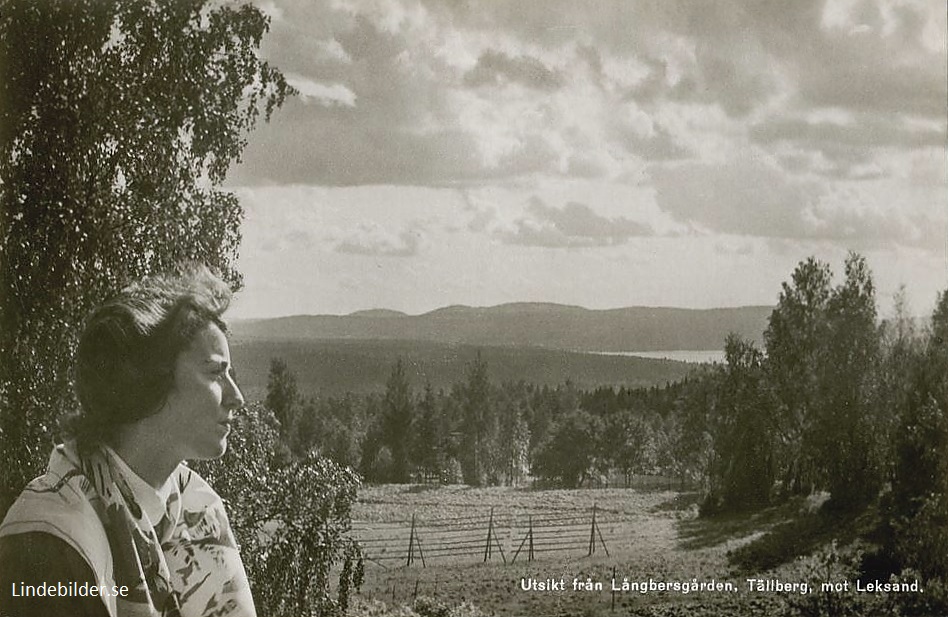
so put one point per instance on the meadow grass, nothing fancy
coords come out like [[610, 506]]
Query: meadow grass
[[649, 534]]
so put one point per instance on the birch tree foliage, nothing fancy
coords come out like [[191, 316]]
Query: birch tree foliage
[[118, 122]]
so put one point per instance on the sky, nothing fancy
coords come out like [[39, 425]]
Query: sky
[[593, 153]]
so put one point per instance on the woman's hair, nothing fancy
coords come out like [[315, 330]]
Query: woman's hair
[[130, 344]]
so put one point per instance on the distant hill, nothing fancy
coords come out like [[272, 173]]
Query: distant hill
[[333, 367], [551, 326], [377, 313]]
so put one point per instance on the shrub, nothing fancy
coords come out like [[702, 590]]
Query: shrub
[[291, 520], [451, 473], [932, 601], [423, 606], [429, 607], [829, 565]]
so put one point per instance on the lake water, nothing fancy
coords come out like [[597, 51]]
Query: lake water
[[680, 355]]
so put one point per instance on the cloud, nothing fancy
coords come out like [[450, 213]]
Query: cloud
[[413, 94], [884, 57], [285, 240], [327, 96], [865, 133], [746, 196], [375, 241], [495, 68], [447, 94], [281, 220], [574, 225], [861, 229], [751, 196], [848, 147], [880, 213], [271, 10]]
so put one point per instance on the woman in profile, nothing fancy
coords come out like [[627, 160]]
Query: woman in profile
[[118, 510]]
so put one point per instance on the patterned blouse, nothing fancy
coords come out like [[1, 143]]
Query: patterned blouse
[[168, 553]]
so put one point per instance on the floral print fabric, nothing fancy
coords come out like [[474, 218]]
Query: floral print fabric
[[185, 564]]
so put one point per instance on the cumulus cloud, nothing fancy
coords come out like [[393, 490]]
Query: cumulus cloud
[[281, 220], [438, 93], [741, 118], [431, 99], [574, 225], [326, 95], [861, 134], [495, 68], [883, 52], [845, 148], [880, 213], [746, 196], [860, 228], [751, 196], [373, 240]]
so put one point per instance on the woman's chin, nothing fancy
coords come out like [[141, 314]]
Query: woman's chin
[[211, 451], [221, 450]]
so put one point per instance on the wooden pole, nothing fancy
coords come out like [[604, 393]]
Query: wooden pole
[[530, 554], [500, 548], [526, 537], [490, 532], [421, 552], [592, 533], [411, 541], [603, 542], [613, 609], [517, 552]]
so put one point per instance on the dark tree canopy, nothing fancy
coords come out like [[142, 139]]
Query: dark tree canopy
[[567, 455], [476, 424], [744, 432], [283, 396], [118, 122], [396, 422]]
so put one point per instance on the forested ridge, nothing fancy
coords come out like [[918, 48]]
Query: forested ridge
[[526, 324]]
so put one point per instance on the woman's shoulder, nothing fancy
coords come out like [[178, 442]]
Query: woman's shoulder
[[50, 502], [194, 488], [58, 504]]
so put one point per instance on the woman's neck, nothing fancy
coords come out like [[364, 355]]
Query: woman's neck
[[147, 455]]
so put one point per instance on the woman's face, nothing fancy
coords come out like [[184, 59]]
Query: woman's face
[[199, 410]]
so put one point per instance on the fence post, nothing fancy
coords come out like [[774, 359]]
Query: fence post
[[490, 533], [592, 533], [613, 609], [528, 536], [601, 541], [530, 554], [500, 548], [411, 541]]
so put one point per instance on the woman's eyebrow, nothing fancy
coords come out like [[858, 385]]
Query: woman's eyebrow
[[222, 365]]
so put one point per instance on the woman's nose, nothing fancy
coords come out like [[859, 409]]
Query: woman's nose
[[234, 398]]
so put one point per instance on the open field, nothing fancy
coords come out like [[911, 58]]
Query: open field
[[649, 534]]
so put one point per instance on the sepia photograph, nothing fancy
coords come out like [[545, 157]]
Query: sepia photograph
[[470, 308]]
